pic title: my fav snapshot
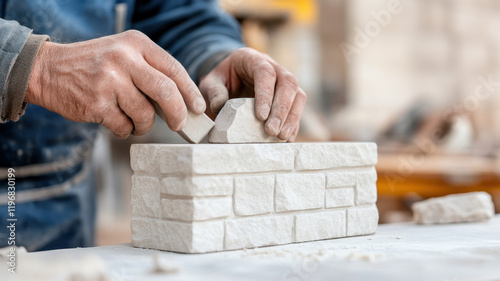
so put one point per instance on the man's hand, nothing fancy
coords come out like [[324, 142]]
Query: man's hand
[[106, 81], [248, 73]]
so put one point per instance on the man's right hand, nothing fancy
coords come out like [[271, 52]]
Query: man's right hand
[[105, 81]]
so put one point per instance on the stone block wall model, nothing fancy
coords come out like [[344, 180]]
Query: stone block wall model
[[215, 197]]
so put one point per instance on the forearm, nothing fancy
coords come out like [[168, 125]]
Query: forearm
[[18, 49]]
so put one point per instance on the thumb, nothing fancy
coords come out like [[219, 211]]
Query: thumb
[[213, 88]]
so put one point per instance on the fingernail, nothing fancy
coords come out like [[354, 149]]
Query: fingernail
[[200, 105], [274, 126], [287, 131], [264, 112]]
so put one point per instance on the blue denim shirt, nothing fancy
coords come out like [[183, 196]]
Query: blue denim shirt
[[49, 150]]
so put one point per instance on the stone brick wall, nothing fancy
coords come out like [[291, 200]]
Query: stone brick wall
[[209, 197]]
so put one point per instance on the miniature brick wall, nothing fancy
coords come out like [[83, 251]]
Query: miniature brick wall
[[216, 197]]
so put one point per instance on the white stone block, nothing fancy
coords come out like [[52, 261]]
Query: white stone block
[[253, 195], [197, 186], [366, 194], [299, 192], [321, 225], [362, 220], [321, 156], [144, 158], [196, 209], [366, 177], [196, 128], [237, 123], [197, 237], [256, 232], [207, 159], [339, 197], [467, 207], [145, 196], [340, 179]]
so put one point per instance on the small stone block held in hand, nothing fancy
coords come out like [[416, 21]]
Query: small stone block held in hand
[[237, 123], [197, 126]]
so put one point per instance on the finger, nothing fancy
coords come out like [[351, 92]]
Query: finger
[[163, 90], [286, 90], [118, 123], [294, 134], [213, 88], [169, 66], [293, 118], [264, 76], [135, 105]]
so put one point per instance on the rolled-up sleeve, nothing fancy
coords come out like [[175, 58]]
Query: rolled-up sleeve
[[18, 49], [196, 32]]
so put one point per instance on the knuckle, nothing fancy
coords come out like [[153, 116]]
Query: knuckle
[[266, 70], [290, 80], [123, 127], [174, 68], [165, 88], [134, 34]]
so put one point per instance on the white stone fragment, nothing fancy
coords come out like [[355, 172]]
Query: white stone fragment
[[366, 177], [339, 197], [196, 209], [299, 192], [322, 156], [144, 158], [195, 237], [145, 196], [321, 225], [467, 207], [237, 123], [212, 159], [257, 232], [362, 220], [197, 186], [340, 179], [196, 128], [253, 195]]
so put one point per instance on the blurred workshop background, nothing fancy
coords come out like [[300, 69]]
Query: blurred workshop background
[[420, 78]]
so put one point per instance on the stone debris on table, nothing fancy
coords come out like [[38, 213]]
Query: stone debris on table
[[216, 197], [237, 123], [466, 207]]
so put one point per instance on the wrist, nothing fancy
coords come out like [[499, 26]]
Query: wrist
[[38, 71]]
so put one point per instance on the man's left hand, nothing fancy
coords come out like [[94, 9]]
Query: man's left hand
[[279, 101]]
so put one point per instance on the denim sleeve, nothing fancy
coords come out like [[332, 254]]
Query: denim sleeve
[[195, 32], [13, 37]]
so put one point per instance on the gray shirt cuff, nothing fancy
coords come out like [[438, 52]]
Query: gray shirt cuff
[[14, 105]]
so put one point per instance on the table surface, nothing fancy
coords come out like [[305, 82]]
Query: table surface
[[404, 251]]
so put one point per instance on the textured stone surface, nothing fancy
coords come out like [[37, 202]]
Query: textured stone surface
[[299, 192], [317, 226], [196, 209], [362, 220], [339, 197], [145, 196], [253, 195], [197, 186], [319, 156], [237, 123], [197, 126], [214, 159], [198, 237], [214, 197], [256, 232], [340, 179], [467, 207]]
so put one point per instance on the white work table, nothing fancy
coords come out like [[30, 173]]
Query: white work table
[[468, 251]]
